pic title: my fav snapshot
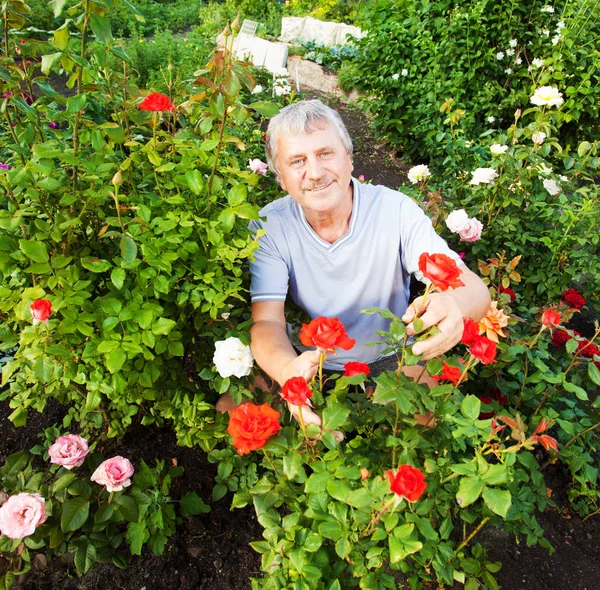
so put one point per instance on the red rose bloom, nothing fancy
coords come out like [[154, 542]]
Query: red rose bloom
[[296, 391], [508, 291], [573, 298], [355, 368], [587, 349], [561, 337], [251, 426], [41, 309], [470, 331], [495, 394], [407, 482], [326, 334], [448, 373], [550, 318], [484, 350], [156, 102], [441, 270]]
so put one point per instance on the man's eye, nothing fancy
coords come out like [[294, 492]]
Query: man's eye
[[296, 162]]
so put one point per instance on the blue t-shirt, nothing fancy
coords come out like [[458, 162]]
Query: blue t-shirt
[[370, 266]]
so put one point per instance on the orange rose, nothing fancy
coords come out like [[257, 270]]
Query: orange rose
[[550, 318], [493, 321], [296, 391], [408, 482], [251, 426], [449, 373], [441, 270], [326, 334]]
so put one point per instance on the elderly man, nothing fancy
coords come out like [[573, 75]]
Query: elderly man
[[337, 246]]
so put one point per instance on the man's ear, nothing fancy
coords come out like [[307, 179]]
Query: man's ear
[[281, 183]]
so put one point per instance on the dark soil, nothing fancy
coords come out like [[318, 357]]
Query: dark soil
[[212, 551]]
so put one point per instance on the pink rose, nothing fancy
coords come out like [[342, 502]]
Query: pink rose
[[472, 231], [114, 474], [258, 167], [20, 515], [69, 451]]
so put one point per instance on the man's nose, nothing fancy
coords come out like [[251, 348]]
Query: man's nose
[[314, 169]]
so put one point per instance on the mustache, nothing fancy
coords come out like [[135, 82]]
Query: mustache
[[312, 186]]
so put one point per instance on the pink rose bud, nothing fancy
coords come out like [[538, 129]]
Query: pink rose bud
[[41, 309], [258, 166], [472, 231], [69, 451], [114, 474], [361, 178], [20, 515]]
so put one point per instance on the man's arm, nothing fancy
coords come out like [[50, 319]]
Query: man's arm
[[271, 347], [446, 311]]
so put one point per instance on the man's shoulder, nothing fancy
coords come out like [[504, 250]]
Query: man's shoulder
[[383, 196], [280, 207]]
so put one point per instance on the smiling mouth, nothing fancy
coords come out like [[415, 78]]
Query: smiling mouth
[[319, 187]]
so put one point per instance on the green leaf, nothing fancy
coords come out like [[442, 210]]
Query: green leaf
[[34, 250], [49, 61], [95, 264], [137, 535], [498, 501], [115, 360], [92, 400], [75, 512], [117, 276], [578, 391], [335, 416], [64, 481], [194, 181], [594, 373], [104, 513], [101, 28], [15, 463], [292, 464], [359, 498], [76, 103], [85, 557], [339, 489], [471, 407], [57, 6], [317, 482], [495, 475], [330, 530], [469, 490], [43, 367], [60, 38], [266, 109], [128, 508], [343, 547], [163, 326], [192, 504], [128, 249], [237, 195]]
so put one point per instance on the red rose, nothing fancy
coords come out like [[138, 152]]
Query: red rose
[[448, 373], [573, 298], [508, 291], [251, 426], [495, 394], [484, 350], [408, 482], [326, 334], [355, 368], [156, 102], [41, 309], [550, 318], [561, 337], [470, 331], [441, 270], [296, 391], [587, 349]]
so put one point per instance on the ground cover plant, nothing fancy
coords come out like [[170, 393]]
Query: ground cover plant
[[123, 253]]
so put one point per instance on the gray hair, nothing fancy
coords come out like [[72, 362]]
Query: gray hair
[[303, 117]]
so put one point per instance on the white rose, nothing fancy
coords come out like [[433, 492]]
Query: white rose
[[257, 89], [547, 96], [498, 149], [457, 220], [233, 358], [483, 175], [405, 72], [538, 137], [395, 76], [537, 62], [513, 42], [491, 119], [551, 186], [418, 173]]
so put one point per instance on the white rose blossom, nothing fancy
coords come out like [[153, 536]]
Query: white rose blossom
[[491, 119], [457, 220], [500, 55], [233, 358], [538, 137], [418, 173], [498, 149], [483, 176], [257, 89], [549, 9], [404, 72], [513, 43], [510, 51], [547, 96], [395, 76], [508, 71], [537, 62], [551, 186], [518, 61], [563, 178]]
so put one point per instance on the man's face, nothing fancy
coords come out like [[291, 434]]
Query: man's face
[[315, 169]]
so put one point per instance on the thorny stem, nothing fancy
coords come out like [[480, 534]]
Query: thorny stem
[[377, 517], [470, 537], [270, 462], [217, 152]]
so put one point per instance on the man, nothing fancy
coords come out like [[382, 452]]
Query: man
[[338, 246]]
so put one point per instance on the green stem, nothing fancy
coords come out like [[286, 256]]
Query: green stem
[[270, 462], [14, 135], [470, 537], [216, 163]]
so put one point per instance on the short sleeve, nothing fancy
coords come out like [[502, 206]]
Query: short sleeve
[[269, 270], [418, 236]]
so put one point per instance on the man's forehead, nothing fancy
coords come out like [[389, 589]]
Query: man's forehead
[[325, 134]]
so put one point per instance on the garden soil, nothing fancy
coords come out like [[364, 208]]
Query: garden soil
[[211, 551]]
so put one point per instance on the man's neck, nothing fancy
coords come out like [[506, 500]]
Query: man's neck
[[332, 225]]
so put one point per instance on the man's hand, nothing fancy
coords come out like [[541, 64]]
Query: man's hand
[[305, 365], [441, 310]]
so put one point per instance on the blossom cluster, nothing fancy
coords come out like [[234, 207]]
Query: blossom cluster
[[419, 173], [21, 514], [468, 228]]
